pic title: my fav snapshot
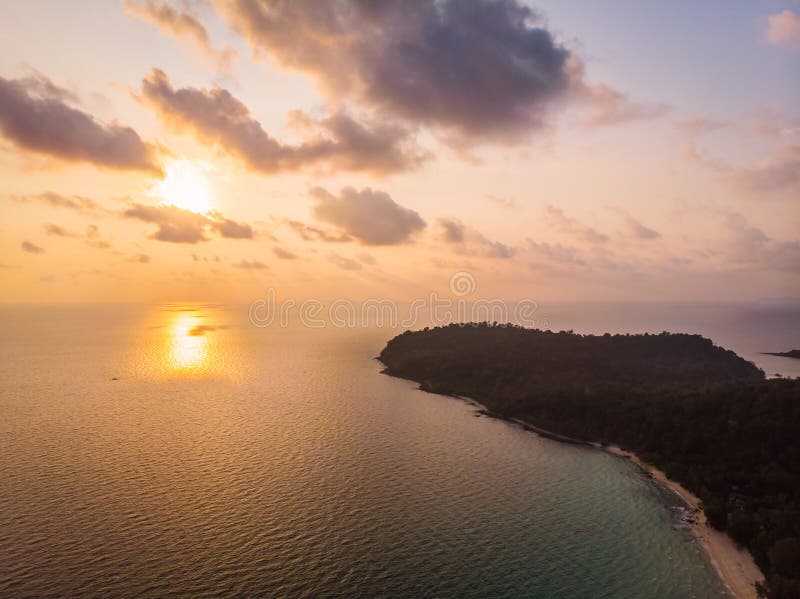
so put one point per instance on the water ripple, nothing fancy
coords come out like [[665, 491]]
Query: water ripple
[[292, 468]]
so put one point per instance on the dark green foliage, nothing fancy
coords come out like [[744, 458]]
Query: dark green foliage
[[785, 556], [699, 412]]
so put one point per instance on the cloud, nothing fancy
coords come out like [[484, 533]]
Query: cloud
[[748, 240], [640, 231], [177, 225], [182, 24], [93, 238], [750, 247], [229, 228], [472, 242], [573, 227], [607, 105], [357, 146], [35, 116], [174, 224], [783, 29], [312, 233], [142, 258], [453, 230], [31, 248], [55, 200], [39, 84], [338, 142], [600, 257], [482, 69], [700, 125], [370, 216], [367, 259], [496, 249], [562, 260], [283, 254], [778, 171], [612, 107], [499, 201], [776, 125], [344, 263], [57, 231], [251, 265], [556, 253]]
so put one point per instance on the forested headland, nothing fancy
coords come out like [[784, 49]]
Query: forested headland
[[705, 416]]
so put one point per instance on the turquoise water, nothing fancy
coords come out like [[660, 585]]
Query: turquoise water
[[228, 460]]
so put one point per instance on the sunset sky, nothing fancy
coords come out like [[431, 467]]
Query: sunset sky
[[585, 150]]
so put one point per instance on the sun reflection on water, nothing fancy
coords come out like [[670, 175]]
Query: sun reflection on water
[[188, 341], [189, 344]]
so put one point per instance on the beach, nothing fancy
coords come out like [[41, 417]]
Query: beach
[[735, 565]]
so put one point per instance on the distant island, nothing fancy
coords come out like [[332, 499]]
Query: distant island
[[700, 413], [792, 353]]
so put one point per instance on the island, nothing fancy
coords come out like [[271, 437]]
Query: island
[[792, 353], [701, 419]]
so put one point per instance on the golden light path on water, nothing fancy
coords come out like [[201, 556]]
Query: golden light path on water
[[188, 343]]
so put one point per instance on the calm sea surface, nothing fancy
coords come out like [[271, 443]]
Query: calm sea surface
[[155, 450]]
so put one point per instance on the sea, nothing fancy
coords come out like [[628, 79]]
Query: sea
[[181, 450]]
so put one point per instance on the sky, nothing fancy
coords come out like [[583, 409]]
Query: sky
[[209, 150]]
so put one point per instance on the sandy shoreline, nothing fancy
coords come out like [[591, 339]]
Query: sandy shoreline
[[735, 566]]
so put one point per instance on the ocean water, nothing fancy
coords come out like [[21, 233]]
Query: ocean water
[[148, 451]]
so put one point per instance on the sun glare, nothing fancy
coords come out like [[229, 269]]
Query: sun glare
[[186, 185], [189, 346]]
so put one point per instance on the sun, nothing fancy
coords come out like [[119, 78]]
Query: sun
[[186, 185]]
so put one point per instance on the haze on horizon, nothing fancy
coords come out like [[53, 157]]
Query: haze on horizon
[[208, 149]]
